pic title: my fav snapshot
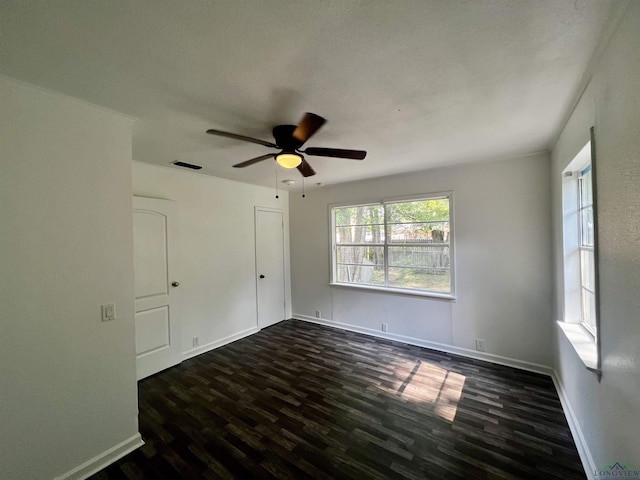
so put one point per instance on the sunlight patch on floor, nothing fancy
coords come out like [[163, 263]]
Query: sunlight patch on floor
[[426, 383]]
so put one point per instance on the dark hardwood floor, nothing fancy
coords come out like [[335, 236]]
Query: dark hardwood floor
[[298, 400]]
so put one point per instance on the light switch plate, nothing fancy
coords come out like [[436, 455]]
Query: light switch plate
[[108, 312]]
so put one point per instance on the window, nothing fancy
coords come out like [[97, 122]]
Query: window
[[399, 245], [586, 248], [581, 323]]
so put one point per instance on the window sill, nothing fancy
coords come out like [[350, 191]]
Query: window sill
[[400, 291], [583, 343]]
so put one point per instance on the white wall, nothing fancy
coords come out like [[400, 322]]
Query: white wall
[[67, 380], [503, 260], [216, 250], [608, 413]]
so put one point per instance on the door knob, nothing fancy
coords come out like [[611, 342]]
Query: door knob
[[261, 276], [175, 284]]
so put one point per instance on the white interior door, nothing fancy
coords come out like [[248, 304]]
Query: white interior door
[[157, 329], [270, 266]]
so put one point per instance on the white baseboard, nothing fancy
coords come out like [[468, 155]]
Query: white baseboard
[[218, 343], [441, 347], [101, 461], [581, 445]]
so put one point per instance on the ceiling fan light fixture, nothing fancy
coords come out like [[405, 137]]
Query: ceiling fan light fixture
[[289, 160], [289, 139]]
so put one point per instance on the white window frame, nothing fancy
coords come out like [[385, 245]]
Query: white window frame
[[582, 247], [387, 201], [584, 338]]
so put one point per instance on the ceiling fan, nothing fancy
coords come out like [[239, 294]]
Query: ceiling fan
[[289, 139]]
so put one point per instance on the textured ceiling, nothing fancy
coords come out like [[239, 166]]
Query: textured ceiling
[[417, 83]]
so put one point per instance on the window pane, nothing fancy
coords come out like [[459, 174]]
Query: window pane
[[589, 309], [363, 274], [419, 232], [361, 215], [420, 278], [418, 211], [361, 255], [360, 234], [419, 256], [586, 221], [586, 187], [587, 267]]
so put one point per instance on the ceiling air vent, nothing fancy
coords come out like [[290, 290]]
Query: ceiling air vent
[[178, 163]]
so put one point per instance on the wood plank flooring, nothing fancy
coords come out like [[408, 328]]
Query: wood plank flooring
[[299, 400]]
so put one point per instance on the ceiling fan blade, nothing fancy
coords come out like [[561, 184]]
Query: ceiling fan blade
[[336, 152], [254, 160], [309, 125], [305, 169], [244, 138]]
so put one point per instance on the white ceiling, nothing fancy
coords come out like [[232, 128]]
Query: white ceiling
[[416, 83]]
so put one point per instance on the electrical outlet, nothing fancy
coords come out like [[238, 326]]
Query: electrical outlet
[[480, 345], [196, 341], [385, 327], [318, 314]]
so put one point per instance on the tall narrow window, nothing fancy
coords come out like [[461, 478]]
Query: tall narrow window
[[581, 313], [395, 245], [586, 247]]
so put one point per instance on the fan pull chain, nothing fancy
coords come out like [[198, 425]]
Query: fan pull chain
[[276, 167], [303, 195]]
